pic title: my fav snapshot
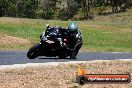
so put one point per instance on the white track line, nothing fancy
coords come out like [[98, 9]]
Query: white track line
[[53, 63]]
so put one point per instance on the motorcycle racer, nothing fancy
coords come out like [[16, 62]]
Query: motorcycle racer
[[69, 38], [74, 39], [71, 35]]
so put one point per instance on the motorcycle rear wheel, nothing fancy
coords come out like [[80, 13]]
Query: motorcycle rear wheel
[[62, 57]]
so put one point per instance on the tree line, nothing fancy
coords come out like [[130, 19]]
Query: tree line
[[62, 9]]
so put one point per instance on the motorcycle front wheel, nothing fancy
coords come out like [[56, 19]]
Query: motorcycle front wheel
[[33, 51]]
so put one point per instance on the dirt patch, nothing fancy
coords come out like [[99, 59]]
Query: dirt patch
[[62, 76], [11, 40]]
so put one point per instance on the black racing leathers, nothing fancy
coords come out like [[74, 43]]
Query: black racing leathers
[[68, 41], [74, 41]]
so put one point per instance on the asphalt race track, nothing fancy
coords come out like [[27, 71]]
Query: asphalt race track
[[19, 57]]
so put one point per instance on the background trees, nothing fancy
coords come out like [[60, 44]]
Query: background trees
[[62, 9]]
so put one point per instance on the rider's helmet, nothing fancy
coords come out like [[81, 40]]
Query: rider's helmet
[[72, 28]]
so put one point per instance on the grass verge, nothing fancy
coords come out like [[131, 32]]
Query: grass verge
[[104, 33]]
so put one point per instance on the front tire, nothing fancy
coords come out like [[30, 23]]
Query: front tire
[[33, 51]]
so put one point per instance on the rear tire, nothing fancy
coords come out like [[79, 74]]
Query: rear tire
[[62, 57], [33, 51], [75, 52], [73, 55]]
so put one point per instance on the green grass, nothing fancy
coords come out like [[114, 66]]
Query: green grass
[[111, 33]]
